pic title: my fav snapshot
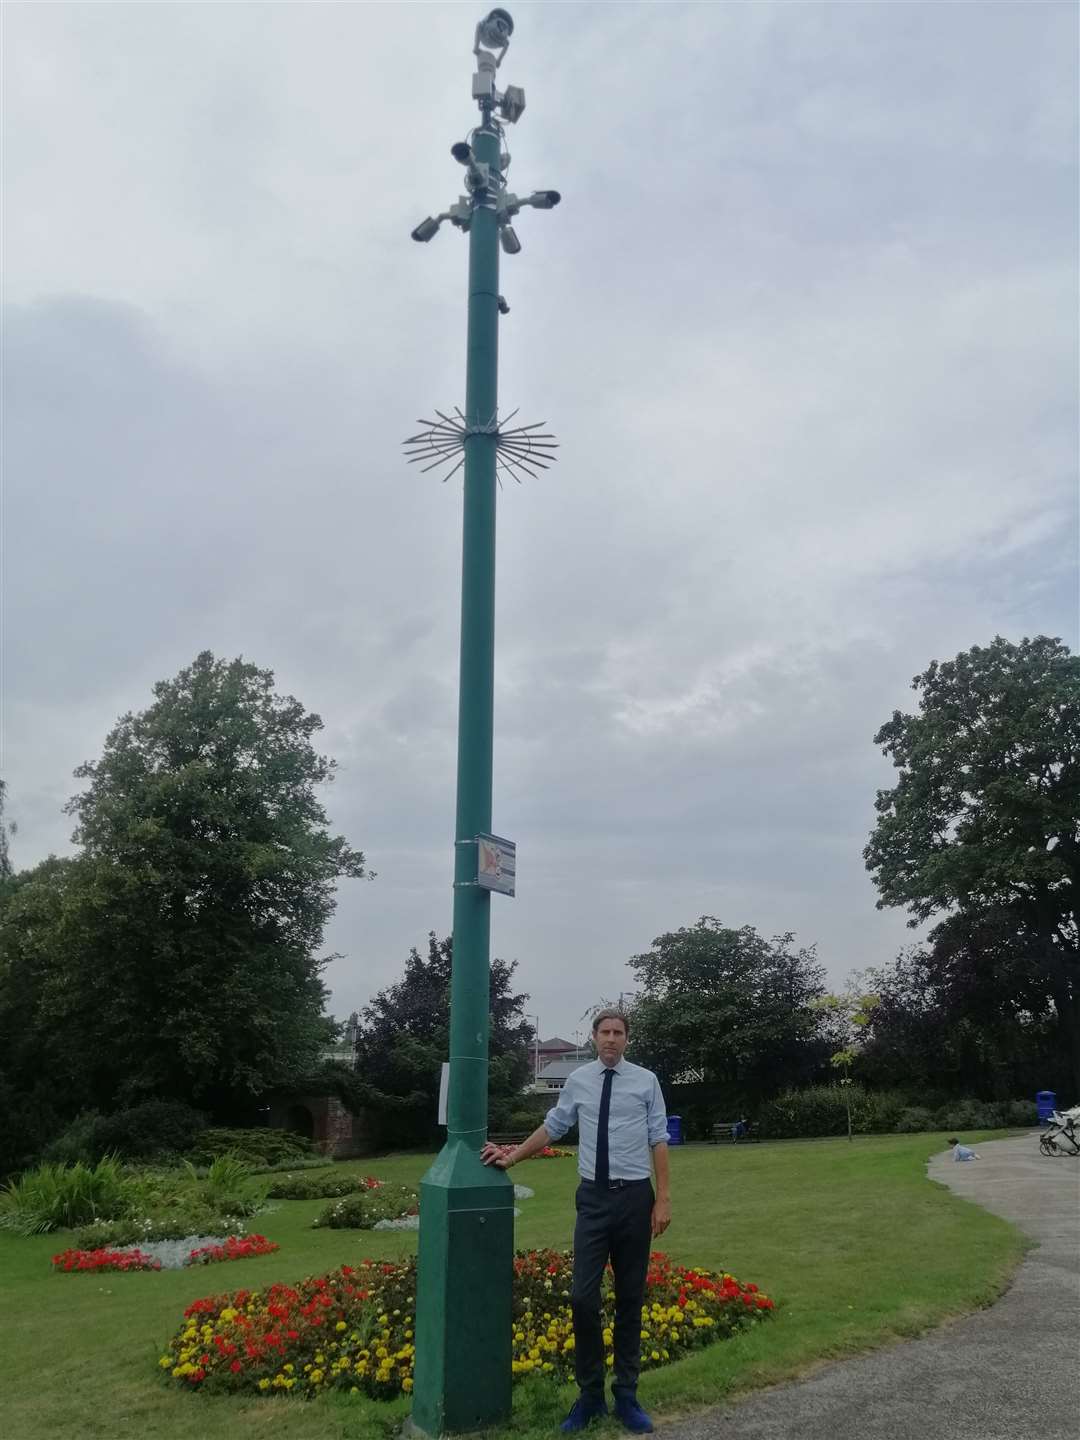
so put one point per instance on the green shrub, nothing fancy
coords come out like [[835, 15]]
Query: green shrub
[[314, 1162], [139, 1132], [914, 1118], [228, 1186], [325, 1185], [55, 1196], [258, 1145], [817, 1110], [881, 1111], [1020, 1113], [173, 1222], [76, 1142], [820, 1110], [362, 1210], [528, 1120]]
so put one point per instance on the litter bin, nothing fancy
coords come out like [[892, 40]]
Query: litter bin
[[674, 1130], [1045, 1105]]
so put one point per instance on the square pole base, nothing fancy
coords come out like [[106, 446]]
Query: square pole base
[[464, 1343]]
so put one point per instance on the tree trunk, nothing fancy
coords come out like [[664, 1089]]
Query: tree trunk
[[1068, 1014]]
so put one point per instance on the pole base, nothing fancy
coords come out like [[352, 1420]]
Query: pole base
[[464, 1342]]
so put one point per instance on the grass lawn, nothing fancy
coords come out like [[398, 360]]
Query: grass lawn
[[852, 1241]]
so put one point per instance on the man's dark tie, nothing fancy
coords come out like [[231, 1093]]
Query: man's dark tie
[[602, 1176]]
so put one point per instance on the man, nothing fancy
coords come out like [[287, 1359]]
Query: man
[[622, 1128]]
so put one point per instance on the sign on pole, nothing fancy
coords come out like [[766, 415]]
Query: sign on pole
[[496, 863]]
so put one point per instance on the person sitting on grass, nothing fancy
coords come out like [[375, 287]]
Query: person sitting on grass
[[961, 1152]]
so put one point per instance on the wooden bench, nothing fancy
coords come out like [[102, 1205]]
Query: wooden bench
[[721, 1134], [506, 1138]]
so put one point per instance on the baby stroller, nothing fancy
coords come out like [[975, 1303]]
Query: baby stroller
[[1060, 1136]]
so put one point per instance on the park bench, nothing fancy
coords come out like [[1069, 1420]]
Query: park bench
[[516, 1137], [721, 1135]]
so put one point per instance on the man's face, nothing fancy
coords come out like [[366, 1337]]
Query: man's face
[[610, 1038]]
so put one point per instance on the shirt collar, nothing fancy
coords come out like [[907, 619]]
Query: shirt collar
[[619, 1068]]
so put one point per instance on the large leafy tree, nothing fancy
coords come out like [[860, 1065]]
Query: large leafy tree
[[983, 825], [404, 1036], [177, 954], [966, 1015], [728, 1009]]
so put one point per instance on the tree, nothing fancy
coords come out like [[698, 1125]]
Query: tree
[[983, 825], [730, 1007], [846, 1018], [967, 1015], [403, 1038], [7, 829], [176, 955]]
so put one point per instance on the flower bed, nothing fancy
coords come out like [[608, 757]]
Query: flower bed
[[551, 1152], [321, 1186], [353, 1329], [69, 1260], [236, 1247], [363, 1209]]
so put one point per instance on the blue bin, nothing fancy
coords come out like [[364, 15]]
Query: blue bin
[[1045, 1105], [674, 1130]]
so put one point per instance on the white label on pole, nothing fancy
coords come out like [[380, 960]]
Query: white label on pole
[[444, 1090], [496, 863]]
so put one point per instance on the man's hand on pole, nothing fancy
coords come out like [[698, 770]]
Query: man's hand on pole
[[499, 1155]]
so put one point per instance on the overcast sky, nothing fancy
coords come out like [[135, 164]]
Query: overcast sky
[[806, 327]]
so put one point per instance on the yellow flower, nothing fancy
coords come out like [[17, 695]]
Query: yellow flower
[[165, 1361], [340, 1326], [316, 1377], [264, 1383], [656, 1354], [406, 1384]]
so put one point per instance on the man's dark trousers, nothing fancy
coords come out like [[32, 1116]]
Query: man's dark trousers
[[613, 1221]]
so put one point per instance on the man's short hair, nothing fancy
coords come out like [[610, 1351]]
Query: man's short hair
[[602, 1015]]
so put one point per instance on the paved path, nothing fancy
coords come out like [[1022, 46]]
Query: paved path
[[1008, 1373]]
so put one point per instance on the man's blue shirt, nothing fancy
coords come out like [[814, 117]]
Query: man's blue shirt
[[637, 1119]]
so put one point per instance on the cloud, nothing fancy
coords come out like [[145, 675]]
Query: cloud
[[805, 325]]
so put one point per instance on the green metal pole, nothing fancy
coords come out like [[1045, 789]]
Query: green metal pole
[[463, 1329]]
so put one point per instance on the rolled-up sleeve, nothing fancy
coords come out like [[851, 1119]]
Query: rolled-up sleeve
[[657, 1115], [563, 1114]]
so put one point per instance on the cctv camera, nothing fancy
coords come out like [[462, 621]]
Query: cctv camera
[[462, 153], [496, 28], [544, 199], [426, 230], [509, 240]]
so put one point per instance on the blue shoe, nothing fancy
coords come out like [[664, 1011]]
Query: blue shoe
[[583, 1412], [632, 1415]]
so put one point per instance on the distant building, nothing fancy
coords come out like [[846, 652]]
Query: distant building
[[554, 1074], [343, 1051], [555, 1049]]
